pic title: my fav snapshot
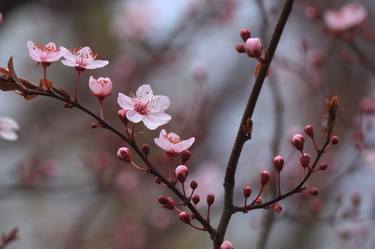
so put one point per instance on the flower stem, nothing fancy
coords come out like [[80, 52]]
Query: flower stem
[[76, 91]]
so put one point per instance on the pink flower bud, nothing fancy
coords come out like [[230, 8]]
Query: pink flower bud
[[185, 156], [253, 47], [247, 191], [298, 141], [163, 200], [181, 173], [245, 34], [258, 201], [184, 217], [94, 125], [195, 199], [193, 185], [240, 48], [278, 161], [314, 191], [167, 202], [323, 166], [122, 115], [334, 140], [309, 130], [305, 160], [264, 177], [145, 149], [124, 154], [101, 87], [277, 208], [226, 245], [210, 199]]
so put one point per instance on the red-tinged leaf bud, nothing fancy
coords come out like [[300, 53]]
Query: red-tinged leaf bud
[[145, 149], [264, 177], [245, 34], [195, 199], [157, 180], [185, 156], [122, 115], [247, 191], [278, 161], [124, 154], [94, 125], [193, 185], [356, 199], [314, 191], [253, 47], [181, 173], [305, 160], [163, 200], [184, 217], [277, 208], [240, 48], [210, 199], [167, 202], [309, 130], [323, 166], [298, 141], [334, 140]]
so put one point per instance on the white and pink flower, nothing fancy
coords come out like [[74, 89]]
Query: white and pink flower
[[82, 59], [348, 17], [100, 87], [45, 54], [172, 143], [8, 128], [146, 107]]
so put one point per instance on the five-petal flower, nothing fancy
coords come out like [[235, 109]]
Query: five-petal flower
[[146, 107], [45, 54], [8, 128], [82, 59], [172, 143]]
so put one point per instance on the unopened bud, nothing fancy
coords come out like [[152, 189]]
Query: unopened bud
[[158, 180], [193, 185], [245, 34], [264, 177], [185, 156], [309, 130], [122, 115], [181, 173], [247, 191], [167, 202], [253, 47], [184, 217], [298, 141], [240, 48], [314, 191], [305, 160], [258, 201], [323, 166], [124, 154], [145, 149], [226, 245], [210, 199], [195, 199], [334, 140], [277, 208], [278, 161], [94, 125]]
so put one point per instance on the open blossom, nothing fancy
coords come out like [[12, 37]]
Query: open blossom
[[172, 143], [8, 128], [226, 245], [349, 16], [100, 87], [146, 107], [45, 54], [82, 59]]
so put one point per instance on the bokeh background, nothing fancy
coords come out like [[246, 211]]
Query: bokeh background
[[62, 185]]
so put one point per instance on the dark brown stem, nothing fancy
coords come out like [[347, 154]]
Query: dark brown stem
[[242, 136]]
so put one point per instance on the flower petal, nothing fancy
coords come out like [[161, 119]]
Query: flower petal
[[8, 135], [154, 120], [159, 103], [96, 64], [8, 123], [125, 102], [144, 93], [163, 143], [34, 52], [94, 86], [133, 116], [184, 145]]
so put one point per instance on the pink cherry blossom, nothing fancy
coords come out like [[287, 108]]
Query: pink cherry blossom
[[82, 59], [45, 54], [226, 245], [349, 16], [172, 143], [146, 107], [100, 87], [8, 128]]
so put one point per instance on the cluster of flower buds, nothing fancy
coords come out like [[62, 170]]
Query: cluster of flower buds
[[252, 46]]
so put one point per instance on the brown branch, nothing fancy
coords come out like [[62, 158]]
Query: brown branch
[[243, 136]]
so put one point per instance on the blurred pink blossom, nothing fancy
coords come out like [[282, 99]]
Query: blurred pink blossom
[[8, 128], [146, 107], [349, 16]]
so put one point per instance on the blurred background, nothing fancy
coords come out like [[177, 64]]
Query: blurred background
[[62, 185]]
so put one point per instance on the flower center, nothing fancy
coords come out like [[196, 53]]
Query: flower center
[[141, 107], [47, 49], [173, 140], [102, 82]]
